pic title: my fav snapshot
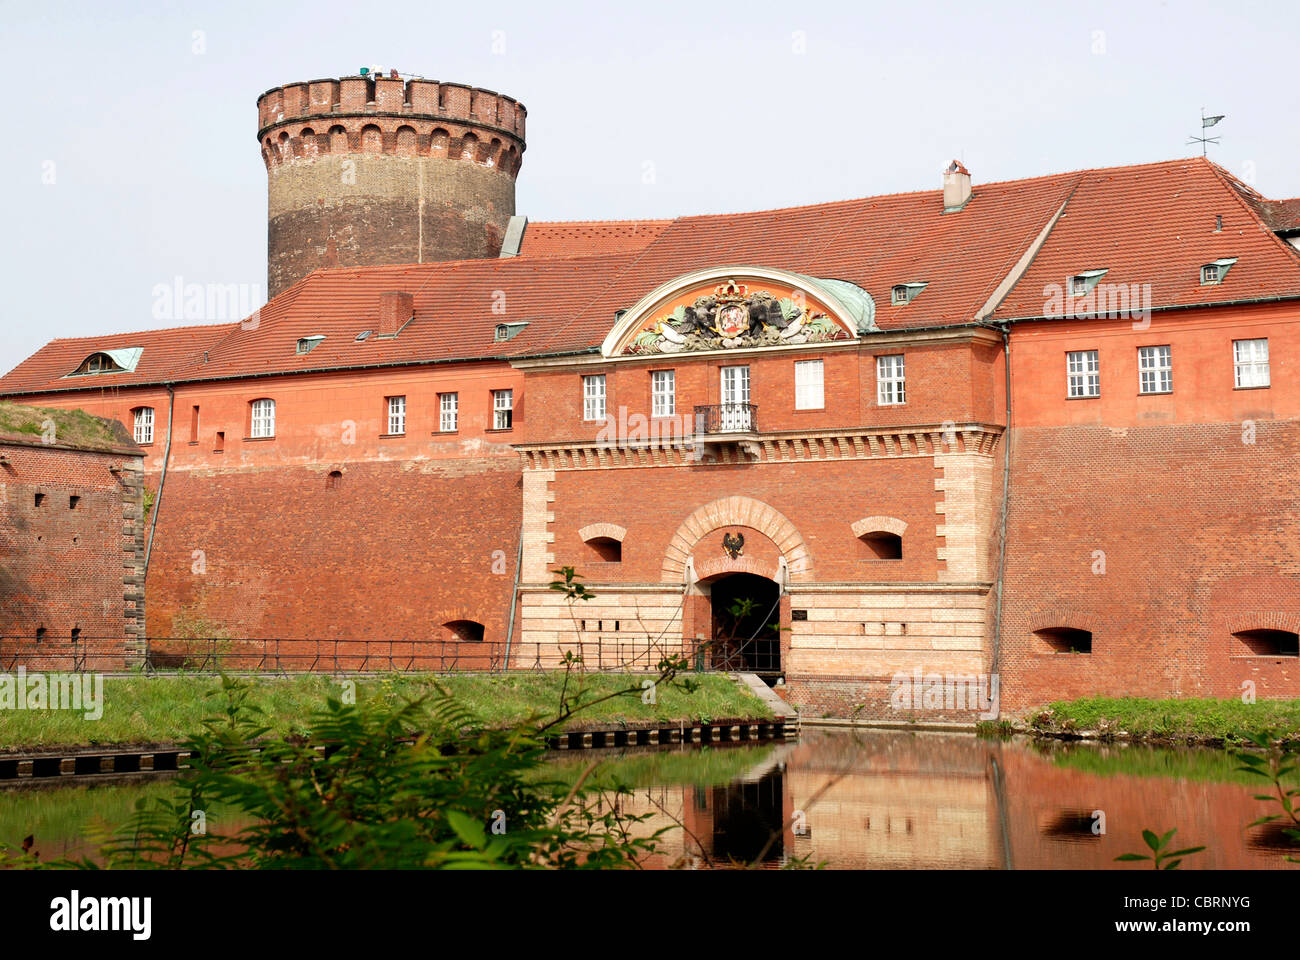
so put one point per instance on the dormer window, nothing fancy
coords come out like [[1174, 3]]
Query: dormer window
[[508, 331], [1081, 284], [99, 363], [906, 292], [1212, 273], [116, 360], [308, 344]]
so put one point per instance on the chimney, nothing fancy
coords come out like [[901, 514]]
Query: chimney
[[956, 187], [395, 309]]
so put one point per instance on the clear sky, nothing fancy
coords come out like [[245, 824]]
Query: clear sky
[[132, 156]]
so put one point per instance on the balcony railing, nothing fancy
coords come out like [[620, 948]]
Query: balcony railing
[[722, 418]]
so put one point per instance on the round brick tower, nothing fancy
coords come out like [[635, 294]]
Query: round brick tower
[[377, 170]]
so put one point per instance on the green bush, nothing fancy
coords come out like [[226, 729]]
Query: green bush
[[377, 785]]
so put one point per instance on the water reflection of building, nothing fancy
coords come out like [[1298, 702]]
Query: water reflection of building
[[898, 800]]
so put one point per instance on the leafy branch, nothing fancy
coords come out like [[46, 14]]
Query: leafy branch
[[1161, 858]]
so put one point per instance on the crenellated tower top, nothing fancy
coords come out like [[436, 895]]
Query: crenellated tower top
[[367, 170]]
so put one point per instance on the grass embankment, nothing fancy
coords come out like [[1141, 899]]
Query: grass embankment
[[1188, 721], [75, 428], [169, 709]]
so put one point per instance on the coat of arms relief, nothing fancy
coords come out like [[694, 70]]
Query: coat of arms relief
[[731, 316]]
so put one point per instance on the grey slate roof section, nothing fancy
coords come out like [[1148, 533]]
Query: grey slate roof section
[[514, 238]]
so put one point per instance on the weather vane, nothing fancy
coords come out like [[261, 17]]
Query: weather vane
[[1206, 122]]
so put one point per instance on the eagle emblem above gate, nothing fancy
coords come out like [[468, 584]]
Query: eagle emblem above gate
[[733, 546], [741, 307]]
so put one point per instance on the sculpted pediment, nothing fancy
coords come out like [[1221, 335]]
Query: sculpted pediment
[[727, 308]]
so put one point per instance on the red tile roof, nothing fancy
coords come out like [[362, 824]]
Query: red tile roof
[[1148, 224], [167, 353], [570, 238], [1157, 224]]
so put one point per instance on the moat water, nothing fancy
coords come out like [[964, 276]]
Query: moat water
[[860, 799]]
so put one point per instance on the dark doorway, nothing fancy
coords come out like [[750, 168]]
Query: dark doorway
[[746, 615], [749, 820]]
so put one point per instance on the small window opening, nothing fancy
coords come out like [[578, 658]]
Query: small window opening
[[221, 442], [333, 480], [40, 634], [76, 634], [1217, 270], [606, 549], [879, 545], [40, 499], [1064, 640], [1268, 643], [905, 292], [469, 631], [73, 501]]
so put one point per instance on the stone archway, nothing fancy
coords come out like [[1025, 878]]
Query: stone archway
[[746, 621], [737, 512]]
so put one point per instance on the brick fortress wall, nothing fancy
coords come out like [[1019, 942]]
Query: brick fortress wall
[[388, 551], [72, 540]]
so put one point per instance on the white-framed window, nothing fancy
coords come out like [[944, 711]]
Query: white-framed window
[[1083, 373], [891, 382], [503, 409], [809, 385], [448, 412], [263, 418], [593, 397], [396, 415], [663, 393], [1155, 370], [144, 425], [1250, 361], [735, 413]]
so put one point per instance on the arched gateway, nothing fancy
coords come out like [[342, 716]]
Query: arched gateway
[[730, 428]]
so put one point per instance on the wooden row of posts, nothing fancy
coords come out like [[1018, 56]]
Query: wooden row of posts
[[94, 763]]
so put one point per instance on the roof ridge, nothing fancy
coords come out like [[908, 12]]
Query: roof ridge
[[557, 223], [1053, 218], [1082, 171], [1221, 175], [152, 330], [1061, 174], [433, 265]]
